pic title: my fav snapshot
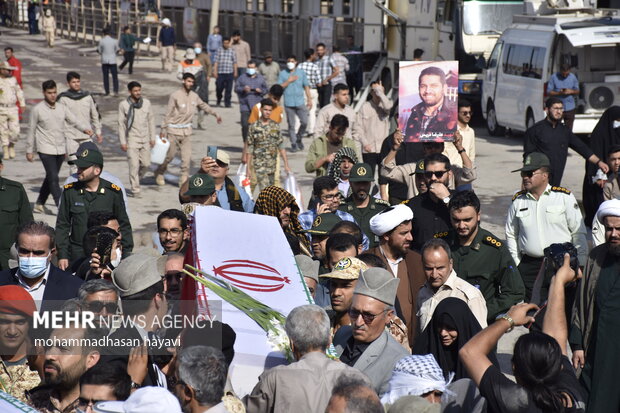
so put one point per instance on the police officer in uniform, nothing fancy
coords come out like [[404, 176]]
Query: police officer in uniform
[[91, 193], [360, 203], [480, 258], [541, 215], [14, 211]]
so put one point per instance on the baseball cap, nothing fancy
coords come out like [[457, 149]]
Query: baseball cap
[[323, 224], [534, 161], [190, 54], [166, 21], [348, 268], [267, 54], [361, 172], [148, 399], [87, 157], [200, 184], [138, 272], [419, 167], [223, 156]]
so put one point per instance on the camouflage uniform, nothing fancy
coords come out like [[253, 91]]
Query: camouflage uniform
[[264, 142], [10, 94], [15, 380]]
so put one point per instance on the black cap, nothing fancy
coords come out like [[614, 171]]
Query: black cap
[[87, 157], [361, 172]]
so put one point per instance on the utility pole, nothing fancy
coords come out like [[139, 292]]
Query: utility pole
[[215, 11]]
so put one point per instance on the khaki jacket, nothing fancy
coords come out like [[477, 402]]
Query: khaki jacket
[[143, 127]]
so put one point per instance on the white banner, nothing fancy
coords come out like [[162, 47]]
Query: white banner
[[10, 404], [250, 252]]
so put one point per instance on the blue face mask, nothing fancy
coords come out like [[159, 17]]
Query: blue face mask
[[251, 71], [32, 267], [198, 50]]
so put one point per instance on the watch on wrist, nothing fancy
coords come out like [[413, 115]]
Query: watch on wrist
[[134, 385], [446, 200], [461, 151], [507, 318]]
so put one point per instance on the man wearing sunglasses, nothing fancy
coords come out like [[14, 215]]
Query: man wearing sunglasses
[[366, 344], [100, 297], [430, 209], [541, 215]]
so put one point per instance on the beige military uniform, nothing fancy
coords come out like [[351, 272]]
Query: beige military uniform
[[182, 107], [138, 139], [15, 380], [85, 112], [48, 26], [10, 94]]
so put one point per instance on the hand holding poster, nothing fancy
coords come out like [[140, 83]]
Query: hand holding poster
[[428, 94]]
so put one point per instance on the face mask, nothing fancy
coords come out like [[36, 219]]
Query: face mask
[[114, 263], [251, 71], [198, 50], [32, 267], [616, 124], [290, 65]]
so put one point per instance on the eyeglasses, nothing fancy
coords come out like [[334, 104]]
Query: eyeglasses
[[84, 403], [329, 197], [529, 174], [98, 306], [174, 274], [367, 317], [173, 231], [438, 174], [466, 112]]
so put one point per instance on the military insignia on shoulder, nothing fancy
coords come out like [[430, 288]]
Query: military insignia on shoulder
[[492, 241], [317, 221], [382, 202], [560, 189], [441, 234], [116, 187], [515, 196], [68, 186], [406, 202]]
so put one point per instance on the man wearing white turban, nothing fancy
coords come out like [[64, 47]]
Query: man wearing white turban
[[393, 227], [611, 207], [594, 333]]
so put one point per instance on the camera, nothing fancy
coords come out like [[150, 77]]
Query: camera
[[555, 256]]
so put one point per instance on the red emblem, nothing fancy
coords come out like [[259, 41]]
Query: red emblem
[[251, 275]]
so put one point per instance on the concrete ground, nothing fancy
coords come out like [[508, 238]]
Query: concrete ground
[[496, 157]]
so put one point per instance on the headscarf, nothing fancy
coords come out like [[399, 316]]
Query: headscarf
[[456, 314], [334, 167], [415, 375], [271, 201]]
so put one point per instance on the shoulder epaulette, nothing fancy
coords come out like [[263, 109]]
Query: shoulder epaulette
[[406, 202], [115, 187], [515, 196], [441, 234], [560, 189], [489, 240], [69, 185], [381, 202]]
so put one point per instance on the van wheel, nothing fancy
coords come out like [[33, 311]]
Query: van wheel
[[529, 119], [492, 126]]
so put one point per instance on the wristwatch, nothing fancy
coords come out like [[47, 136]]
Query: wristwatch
[[507, 318], [446, 200], [134, 385], [461, 151]]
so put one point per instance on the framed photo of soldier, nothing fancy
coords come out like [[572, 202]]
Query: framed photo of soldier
[[428, 94]]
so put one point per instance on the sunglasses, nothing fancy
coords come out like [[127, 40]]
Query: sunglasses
[[367, 317], [174, 274], [438, 174], [466, 112], [98, 306], [529, 174], [84, 403]]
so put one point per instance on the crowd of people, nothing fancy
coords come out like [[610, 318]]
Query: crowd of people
[[409, 288]]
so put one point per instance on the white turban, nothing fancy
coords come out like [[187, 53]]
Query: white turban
[[609, 208], [390, 218]]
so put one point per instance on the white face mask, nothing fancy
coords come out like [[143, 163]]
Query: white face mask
[[114, 263], [33, 267], [616, 124], [290, 65], [251, 71], [198, 50]]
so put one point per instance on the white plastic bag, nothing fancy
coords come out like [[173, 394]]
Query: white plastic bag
[[159, 151], [291, 186], [242, 180]]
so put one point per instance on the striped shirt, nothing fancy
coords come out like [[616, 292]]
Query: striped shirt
[[312, 73], [325, 65], [225, 59], [343, 66]]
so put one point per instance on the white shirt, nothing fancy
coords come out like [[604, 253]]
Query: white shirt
[[393, 264], [37, 290], [532, 225]]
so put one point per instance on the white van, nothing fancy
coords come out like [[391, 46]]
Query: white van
[[515, 80]]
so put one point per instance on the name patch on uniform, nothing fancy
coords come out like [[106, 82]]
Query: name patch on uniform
[[79, 204], [523, 209]]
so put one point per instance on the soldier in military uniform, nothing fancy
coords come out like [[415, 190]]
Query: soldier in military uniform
[[480, 258], [14, 211], [263, 144], [91, 193], [541, 215], [360, 204], [10, 94], [201, 192]]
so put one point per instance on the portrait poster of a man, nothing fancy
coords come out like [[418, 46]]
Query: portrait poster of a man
[[428, 97]]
